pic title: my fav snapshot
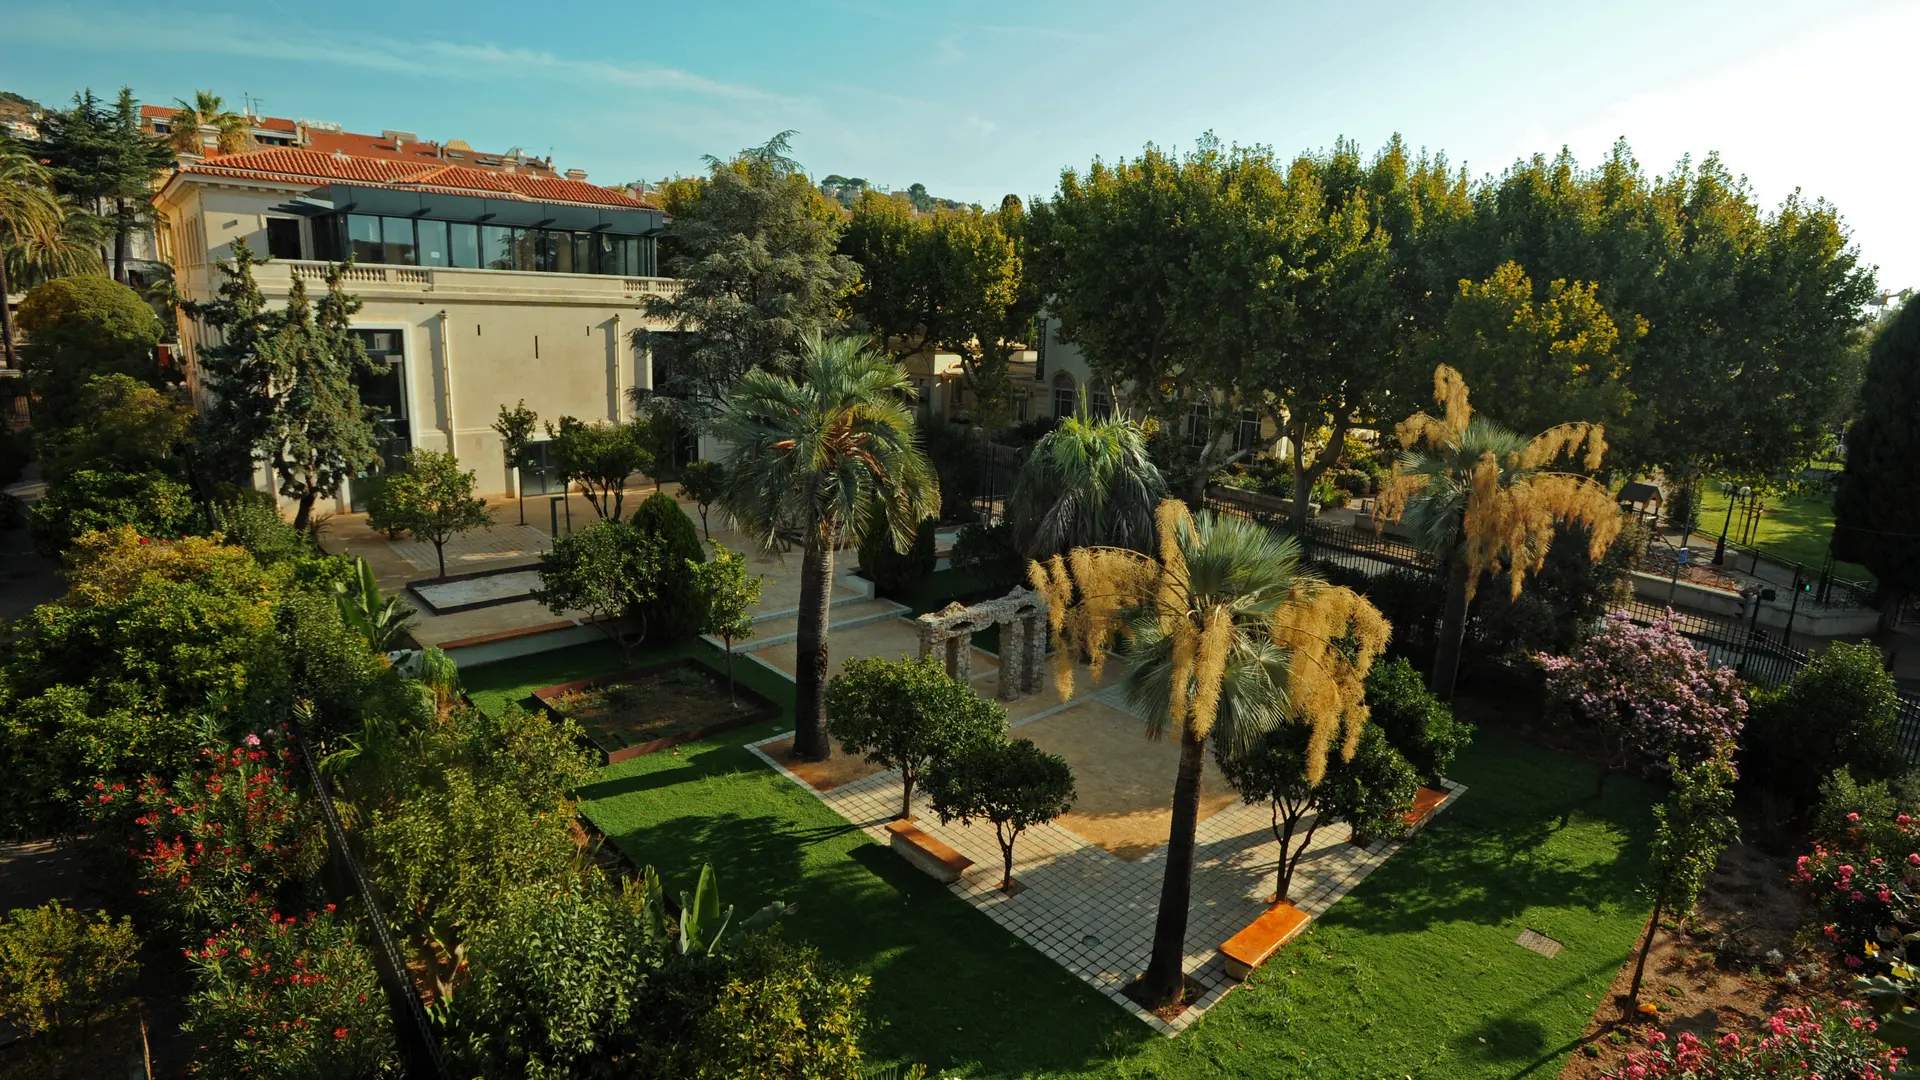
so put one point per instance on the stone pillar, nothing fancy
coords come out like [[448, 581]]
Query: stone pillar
[[1013, 659], [960, 655], [1034, 642]]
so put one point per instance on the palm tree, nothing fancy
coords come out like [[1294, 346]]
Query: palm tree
[[823, 458], [35, 240], [1480, 499], [1226, 636], [232, 131], [1086, 483]]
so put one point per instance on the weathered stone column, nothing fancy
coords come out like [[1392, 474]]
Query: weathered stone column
[[1034, 641], [1013, 657]]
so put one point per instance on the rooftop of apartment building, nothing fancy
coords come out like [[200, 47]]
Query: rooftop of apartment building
[[390, 145]]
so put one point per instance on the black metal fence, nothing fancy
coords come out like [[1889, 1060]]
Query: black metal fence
[[411, 1025], [1323, 538], [1763, 659]]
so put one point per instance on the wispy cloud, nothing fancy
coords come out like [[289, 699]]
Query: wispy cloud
[[219, 35]]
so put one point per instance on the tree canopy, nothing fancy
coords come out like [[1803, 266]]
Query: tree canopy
[[753, 247], [1876, 510]]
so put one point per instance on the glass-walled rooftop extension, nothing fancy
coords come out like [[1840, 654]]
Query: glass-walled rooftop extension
[[408, 228]]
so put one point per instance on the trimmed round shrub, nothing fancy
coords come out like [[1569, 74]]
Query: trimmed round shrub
[[674, 614]]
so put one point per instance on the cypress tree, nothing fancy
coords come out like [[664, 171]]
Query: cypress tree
[[1876, 511]]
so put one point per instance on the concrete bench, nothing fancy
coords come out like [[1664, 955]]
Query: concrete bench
[[1424, 804], [1263, 937], [936, 859]]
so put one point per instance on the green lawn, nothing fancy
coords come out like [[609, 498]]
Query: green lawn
[[1415, 973], [1794, 528]]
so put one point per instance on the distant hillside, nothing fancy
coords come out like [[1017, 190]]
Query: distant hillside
[[847, 190], [15, 107]]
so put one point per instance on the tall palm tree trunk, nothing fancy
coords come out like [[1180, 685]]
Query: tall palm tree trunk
[[1167, 969], [1453, 627], [6, 320], [810, 742]]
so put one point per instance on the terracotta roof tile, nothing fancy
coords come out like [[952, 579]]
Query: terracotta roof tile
[[282, 163]]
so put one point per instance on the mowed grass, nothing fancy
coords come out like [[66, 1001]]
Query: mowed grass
[[1792, 529], [1413, 974]]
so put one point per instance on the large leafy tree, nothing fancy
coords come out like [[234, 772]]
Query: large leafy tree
[[1226, 637], [106, 164], [753, 248], [284, 383], [952, 280], [1482, 500], [1876, 511], [822, 458]]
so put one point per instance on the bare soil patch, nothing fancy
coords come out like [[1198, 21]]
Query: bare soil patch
[[840, 769]]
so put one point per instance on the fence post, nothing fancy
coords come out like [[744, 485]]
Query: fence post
[[416, 1033]]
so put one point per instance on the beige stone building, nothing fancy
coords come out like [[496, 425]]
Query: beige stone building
[[480, 286]]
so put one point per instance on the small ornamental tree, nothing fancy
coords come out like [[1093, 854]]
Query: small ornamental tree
[[516, 427], [57, 967], [908, 715], [221, 839], [1371, 791], [288, 997], [1690, 830], [1274, 770], [727, 598], [1418, 724], [433, 499], [1016, 785], [599, 457], [703, 482], [610, 570], [1648, 694]]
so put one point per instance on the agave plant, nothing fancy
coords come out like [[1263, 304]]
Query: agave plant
[[378, 618]]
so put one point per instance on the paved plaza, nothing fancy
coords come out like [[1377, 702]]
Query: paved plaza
[[1092, 879]]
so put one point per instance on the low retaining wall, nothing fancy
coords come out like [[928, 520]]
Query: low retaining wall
[[1809, 621]]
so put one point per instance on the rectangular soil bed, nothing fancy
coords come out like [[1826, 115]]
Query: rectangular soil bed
[[639, 711]]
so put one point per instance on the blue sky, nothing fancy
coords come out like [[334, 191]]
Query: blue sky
[[979, 99]]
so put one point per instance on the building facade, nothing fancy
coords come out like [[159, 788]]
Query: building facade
[[479, 288]]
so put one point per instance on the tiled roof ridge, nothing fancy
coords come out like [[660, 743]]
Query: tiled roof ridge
[[292, 162]]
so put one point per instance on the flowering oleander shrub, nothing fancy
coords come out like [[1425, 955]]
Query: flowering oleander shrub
[[1800, 1043], [1648, 692], [222, 839], [288, 997], [1858, 895]]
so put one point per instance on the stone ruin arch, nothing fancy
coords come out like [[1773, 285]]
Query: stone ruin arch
[[1021, 616]]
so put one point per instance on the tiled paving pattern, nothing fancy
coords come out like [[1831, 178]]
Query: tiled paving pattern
[[479, 590], [477, 550], [1093, 911]]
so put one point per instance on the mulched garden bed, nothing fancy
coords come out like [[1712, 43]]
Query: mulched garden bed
[[639, 711]]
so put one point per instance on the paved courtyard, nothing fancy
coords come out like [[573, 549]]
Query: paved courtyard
[[1092, 879]]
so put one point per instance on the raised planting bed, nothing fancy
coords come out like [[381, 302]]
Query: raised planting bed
[[642, 710]]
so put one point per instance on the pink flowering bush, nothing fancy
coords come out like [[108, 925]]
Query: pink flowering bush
[[288, 997], [1648, 692], [224, 838], [1800, 1043]]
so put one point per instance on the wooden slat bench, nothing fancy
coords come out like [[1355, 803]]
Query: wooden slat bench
[[943, 863], [1424, 804], [1263, 937]]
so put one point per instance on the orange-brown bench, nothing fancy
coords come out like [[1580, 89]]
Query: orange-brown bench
[[1424, 804], [1263, 937], [924, 851]]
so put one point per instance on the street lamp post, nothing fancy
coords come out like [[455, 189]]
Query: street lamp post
[[1733, 498]]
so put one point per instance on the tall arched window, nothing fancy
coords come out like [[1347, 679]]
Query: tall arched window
[[1063, 395]]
